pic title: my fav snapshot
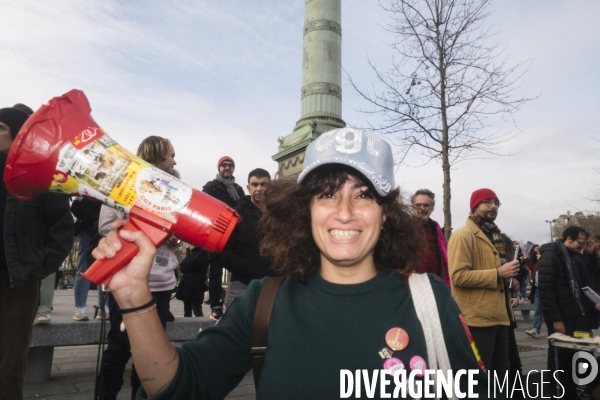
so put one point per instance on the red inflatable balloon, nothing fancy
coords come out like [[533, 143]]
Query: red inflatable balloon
[[62, 149]]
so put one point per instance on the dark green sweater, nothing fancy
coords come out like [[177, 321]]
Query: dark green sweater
[[316, 330]]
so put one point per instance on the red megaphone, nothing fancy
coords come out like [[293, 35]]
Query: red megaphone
[[62, 149]]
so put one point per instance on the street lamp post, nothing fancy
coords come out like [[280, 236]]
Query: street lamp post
[[551, 222]]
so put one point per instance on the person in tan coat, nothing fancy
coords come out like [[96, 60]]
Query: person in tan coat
[[479, 269]]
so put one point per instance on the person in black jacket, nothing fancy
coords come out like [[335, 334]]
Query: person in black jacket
[[192, 286], [592, 265], [223, 188], [592, 260], [561, 275], [86, 211], [241, 255], [36, 236]]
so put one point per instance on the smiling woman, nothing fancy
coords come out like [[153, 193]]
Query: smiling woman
[[341, 238], [335, 201], [345, 227]]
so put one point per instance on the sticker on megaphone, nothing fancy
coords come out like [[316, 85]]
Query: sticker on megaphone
[[61, 149], [100, 168]]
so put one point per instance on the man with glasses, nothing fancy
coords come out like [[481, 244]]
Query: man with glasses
[[561, 276], [435, 261], [223, 188], [479, 270]]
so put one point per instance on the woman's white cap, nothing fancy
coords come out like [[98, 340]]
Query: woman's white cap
[[360, 149]]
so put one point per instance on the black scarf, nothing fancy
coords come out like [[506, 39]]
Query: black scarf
[[492, 231], [573, 275]]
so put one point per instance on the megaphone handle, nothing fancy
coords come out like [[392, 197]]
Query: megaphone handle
[[101, 270]]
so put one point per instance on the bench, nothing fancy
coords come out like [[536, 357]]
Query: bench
[[525, 309], [72, 333]]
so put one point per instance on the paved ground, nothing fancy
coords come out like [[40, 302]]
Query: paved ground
[[74, 368]]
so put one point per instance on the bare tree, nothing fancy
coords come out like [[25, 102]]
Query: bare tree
[[445, 82]]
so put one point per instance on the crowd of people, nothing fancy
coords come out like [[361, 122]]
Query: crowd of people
[[28, 278], [359, 267], [487, 283]]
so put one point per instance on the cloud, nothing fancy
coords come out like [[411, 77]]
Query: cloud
[[179, 71], [224, 78]]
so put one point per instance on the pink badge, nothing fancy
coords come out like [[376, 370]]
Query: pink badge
[[417, 362], [393, 364]]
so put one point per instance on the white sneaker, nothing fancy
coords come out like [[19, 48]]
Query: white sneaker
[[81, 315], [99, 315], [533, 333], [43, 318]]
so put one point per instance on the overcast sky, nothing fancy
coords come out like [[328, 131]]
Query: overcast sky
[[224, 77]]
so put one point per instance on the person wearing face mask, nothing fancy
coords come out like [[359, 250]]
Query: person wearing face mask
[[435, 260], [479, 270]]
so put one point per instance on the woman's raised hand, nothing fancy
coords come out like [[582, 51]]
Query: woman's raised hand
[[129, 285]]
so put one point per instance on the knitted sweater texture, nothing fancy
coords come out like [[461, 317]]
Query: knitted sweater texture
[[316, 330]]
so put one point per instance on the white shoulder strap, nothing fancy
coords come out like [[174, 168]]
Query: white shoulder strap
[[427, 312]]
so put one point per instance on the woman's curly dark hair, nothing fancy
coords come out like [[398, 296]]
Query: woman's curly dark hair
[[286, 224]]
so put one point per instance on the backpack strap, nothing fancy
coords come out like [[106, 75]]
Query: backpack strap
[[427, 312], [260, 328]]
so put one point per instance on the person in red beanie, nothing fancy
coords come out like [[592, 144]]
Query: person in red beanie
[[479, 269], [223, 188]]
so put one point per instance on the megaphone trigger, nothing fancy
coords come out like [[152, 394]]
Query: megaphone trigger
[[157, 230]]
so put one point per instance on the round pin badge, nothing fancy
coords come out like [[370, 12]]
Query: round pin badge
[[393, 365], [417, 362], [396, 338]]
